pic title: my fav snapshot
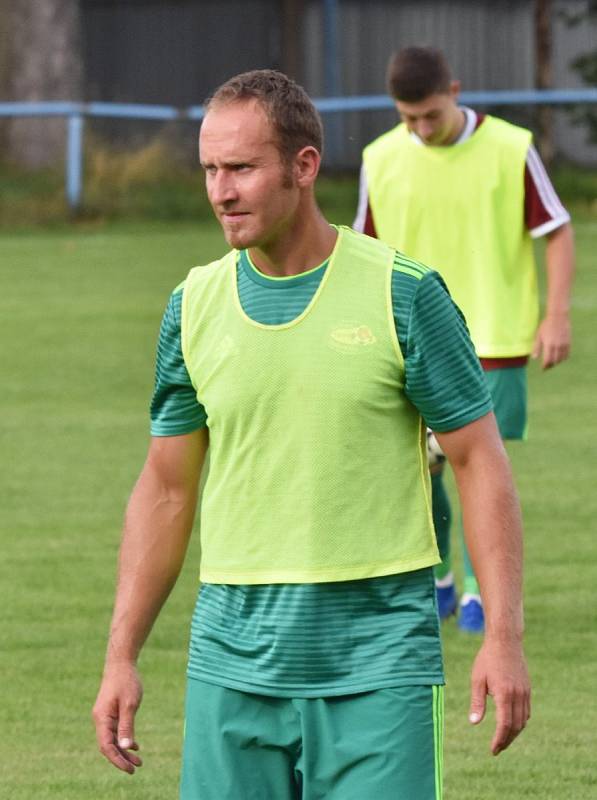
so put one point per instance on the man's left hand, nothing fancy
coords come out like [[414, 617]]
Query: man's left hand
[[500, 671], [552, 342]]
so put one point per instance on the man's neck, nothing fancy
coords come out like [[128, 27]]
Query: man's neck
[[306, 243], [458, 126]]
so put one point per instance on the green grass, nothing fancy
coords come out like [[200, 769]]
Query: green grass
[[79, 312]]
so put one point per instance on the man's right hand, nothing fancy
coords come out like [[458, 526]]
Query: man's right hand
[[114, 716]]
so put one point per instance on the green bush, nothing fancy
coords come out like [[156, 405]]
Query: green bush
[[154, 183], [577, 187]]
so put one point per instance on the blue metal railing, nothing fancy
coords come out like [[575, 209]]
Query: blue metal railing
[[76, 113]]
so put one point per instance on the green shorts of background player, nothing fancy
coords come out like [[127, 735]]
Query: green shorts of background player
[[385, 744]]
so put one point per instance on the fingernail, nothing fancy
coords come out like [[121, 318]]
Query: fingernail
[[474, 717], [124, 743]]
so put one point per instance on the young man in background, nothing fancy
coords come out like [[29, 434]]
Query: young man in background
[[466, 193]]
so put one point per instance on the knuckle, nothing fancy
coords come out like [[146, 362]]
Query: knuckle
[[507, 693]]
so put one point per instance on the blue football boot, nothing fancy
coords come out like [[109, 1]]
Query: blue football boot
[[471, 618], [447, 601]]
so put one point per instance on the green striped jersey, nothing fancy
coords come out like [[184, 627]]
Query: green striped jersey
[[318, 639], [443, 377], [349, 636]]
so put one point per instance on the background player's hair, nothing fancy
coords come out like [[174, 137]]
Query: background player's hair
[[416, 73], [289, 108]]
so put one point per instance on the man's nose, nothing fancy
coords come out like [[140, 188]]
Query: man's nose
[[223, 188], [425, 129]]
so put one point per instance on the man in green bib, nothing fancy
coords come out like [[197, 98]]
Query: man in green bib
[[305, 360], [466, 193]]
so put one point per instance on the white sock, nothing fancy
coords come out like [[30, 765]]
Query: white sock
[[447, 580], [466, 598]]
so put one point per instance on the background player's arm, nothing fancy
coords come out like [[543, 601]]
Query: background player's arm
[[157, 528], [363, 222], [493, 530], [552, 342]]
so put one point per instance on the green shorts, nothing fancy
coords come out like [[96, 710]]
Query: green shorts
[[508, 388], [381, 744]]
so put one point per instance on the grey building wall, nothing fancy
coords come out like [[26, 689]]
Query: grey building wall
[[171, 52], [489, 44], [177, 51]]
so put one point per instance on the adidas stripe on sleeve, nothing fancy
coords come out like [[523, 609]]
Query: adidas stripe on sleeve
[[175, 409]]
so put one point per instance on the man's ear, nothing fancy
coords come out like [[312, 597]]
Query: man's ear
[[306, 166], [454, 89]]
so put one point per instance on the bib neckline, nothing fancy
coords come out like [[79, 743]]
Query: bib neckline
[[284, 282]]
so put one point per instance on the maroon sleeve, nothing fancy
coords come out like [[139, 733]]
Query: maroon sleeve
[[543, 210], [363, 222], [535, 213], [369, 228]]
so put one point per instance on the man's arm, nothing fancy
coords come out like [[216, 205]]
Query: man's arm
[[493, 530], [157, 527], [552, 342]]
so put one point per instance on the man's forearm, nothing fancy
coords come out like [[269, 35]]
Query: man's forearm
[[493, 531], [158, 524], [559, 264], [155, 538], [492, 520], [553, 337]]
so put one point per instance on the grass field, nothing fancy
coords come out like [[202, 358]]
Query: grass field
[[79, 312]]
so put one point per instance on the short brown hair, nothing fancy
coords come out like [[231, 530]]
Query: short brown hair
[[416, 73], [294, 117]]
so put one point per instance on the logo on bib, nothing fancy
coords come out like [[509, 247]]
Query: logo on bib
[[225, 348], [352, 338]]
